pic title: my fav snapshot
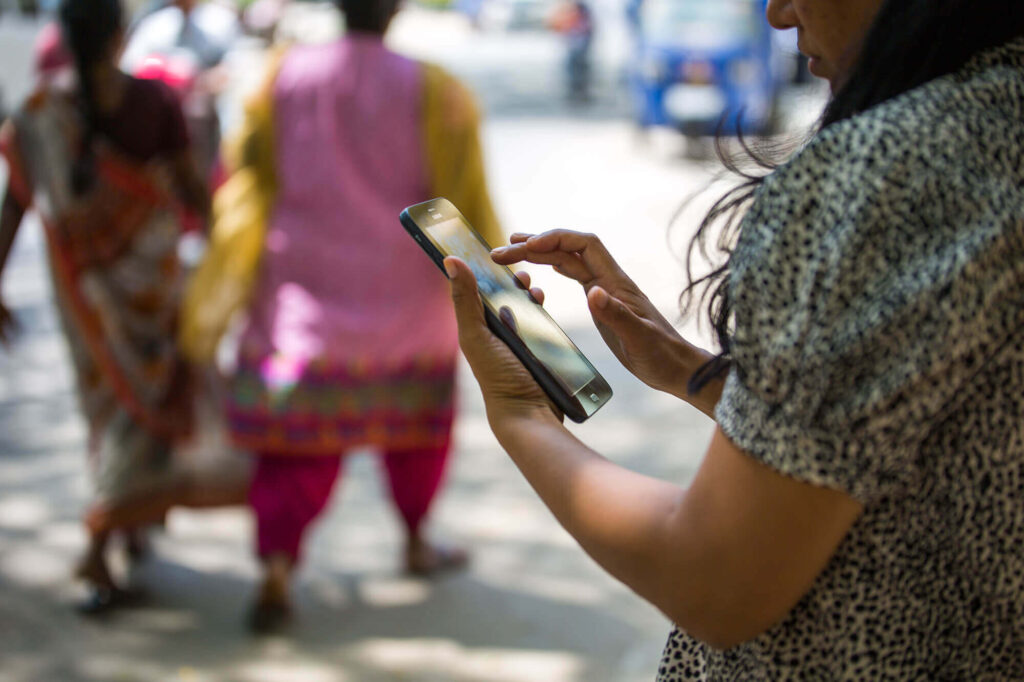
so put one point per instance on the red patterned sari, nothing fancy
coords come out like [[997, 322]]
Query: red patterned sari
[[117, 283]]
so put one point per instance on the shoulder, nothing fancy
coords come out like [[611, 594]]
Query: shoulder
[[298, 70], [874, 273], [928, 157], [297, 62], [886, 227], [447, 97]]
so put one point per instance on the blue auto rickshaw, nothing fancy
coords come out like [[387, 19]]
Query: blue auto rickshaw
[[704, 67]]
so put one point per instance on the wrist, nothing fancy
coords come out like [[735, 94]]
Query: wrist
[[687, 359], [508, 423], [706, 399]]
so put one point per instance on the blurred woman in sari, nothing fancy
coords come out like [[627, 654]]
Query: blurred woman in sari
[[104, 162]]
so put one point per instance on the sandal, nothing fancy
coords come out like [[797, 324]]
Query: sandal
[[269, 618], [102, 600], [431, 560], [137, 545]]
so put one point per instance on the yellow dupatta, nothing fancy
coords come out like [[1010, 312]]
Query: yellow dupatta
[[223, 283], [454, 154]]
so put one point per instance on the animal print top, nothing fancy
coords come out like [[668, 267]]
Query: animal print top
[[878, 286]]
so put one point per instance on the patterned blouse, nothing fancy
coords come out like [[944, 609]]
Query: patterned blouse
[[878, 286]]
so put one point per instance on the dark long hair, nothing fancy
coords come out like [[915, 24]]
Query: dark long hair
[[89, 28], [372, 16], [909, 43]]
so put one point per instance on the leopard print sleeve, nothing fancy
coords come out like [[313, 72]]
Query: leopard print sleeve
[[869, 285]]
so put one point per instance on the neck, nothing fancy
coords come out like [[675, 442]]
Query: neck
[[366, 33]]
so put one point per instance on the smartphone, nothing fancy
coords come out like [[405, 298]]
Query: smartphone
[[564, 373]]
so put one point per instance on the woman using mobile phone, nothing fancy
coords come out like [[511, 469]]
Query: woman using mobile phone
[[857, 514]]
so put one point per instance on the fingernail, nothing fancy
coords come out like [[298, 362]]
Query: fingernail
[[600, 298], [499, 250], [449, 267]]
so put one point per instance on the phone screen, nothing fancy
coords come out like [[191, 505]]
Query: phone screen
[[512, 305]]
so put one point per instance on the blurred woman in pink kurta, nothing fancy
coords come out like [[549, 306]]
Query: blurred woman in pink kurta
[[351, 339]]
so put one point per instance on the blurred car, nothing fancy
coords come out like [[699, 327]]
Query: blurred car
[[704, 66], [511, 15]]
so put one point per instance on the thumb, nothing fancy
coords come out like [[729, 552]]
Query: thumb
[[469, 311], [612, 312]]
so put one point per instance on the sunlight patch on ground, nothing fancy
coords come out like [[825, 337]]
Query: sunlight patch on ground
[[188, 674], [28, 470], [164, 621], [426, 657], [119, 668], [23, 512], [511, 520], [225, 559], [223, 524], [34, 566], [290, 671], [64, 536], [565, 590], [392, 592], [326, 590]]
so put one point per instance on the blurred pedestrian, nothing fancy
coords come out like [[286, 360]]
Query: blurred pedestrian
[[575, 20], [350, 340], [103, 159], [260, 18], [858, 513]]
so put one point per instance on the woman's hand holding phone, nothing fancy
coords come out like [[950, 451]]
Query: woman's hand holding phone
[[639, 336], [510, 392]]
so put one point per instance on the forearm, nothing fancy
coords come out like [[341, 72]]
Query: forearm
[[620, 518], [723, 559], [714, 557]]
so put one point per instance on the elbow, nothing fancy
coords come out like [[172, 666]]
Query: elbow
[[716, 633], [723, 623], [721, 603], [722, 638]]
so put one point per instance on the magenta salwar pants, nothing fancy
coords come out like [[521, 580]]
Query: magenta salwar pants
[[289, 491]]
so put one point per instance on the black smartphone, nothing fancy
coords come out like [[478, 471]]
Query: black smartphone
[[564, 373]]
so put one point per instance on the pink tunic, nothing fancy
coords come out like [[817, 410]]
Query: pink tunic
[[351, 337]]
